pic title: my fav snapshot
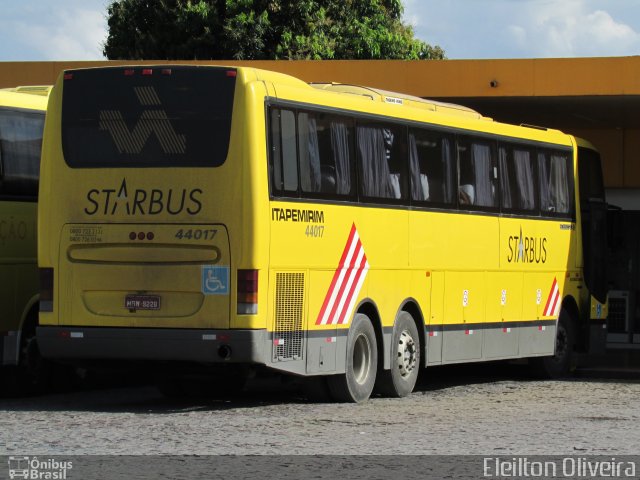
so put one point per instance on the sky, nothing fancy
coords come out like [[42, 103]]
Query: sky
[[35, 30]]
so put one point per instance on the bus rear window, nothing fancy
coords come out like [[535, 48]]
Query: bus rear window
[[147, 116]]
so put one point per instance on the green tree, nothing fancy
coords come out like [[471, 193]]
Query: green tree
[[262, 30]]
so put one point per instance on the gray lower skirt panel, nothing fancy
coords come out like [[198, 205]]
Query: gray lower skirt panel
[[205, 346], [489, 341]]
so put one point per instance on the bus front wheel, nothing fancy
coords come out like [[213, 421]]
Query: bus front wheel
[[356, 384], [561, 363]]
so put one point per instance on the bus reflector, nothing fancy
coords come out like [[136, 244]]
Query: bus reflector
[[166, 71], [147, 71], [68, 76], [247, 292], [129, 72], [232, 73], [46, 289]]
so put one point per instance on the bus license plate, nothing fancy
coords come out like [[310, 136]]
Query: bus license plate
[[142, 302]]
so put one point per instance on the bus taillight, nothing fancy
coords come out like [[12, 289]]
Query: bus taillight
[[247, 292], [46, 289]]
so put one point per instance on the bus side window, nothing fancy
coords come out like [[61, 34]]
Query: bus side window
[[289, 151], [525, 179], [339, 167], [310, 177], [382, 160], [556, 192], [326, 164], [20, 145], [275, 158], [283, 158], [478, 173], [431, 165], [517, 179]]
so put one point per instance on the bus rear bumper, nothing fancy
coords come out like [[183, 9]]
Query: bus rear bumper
[[180, 345]]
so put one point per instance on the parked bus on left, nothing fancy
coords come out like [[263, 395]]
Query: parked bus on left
[[22, 115]]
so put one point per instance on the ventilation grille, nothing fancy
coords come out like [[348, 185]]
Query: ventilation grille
[[288, 338], [617, 319]]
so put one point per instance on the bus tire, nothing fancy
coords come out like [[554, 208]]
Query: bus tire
[[400, 380], [561, 363], [356, 384], [34, 373]]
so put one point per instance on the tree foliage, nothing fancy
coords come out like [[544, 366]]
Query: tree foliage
[[262, 30]]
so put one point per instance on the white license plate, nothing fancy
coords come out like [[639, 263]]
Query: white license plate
[[142, 302]]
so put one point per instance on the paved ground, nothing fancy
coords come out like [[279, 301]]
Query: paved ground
[[489, 410]]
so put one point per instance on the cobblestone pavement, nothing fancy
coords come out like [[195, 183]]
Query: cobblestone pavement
[[450, 413]]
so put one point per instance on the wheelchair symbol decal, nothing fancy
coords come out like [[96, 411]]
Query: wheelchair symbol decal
[[215, 280]]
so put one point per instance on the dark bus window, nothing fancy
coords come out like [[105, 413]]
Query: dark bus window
[[20, 145], [590, 171], [289, 154], [432, 166], [283, 158], [326, 160], [478, 173], [556, 183], [518, 181], [275, 155], [161, 116], [382, 160]]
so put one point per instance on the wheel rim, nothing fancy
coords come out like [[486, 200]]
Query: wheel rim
[[361, 359], [407, 353]]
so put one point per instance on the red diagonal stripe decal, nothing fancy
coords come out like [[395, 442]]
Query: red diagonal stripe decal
[[552, 299], [355, 277], [347, 278]]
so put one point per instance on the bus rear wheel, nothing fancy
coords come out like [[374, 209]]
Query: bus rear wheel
[[400, 380], [356, 384], [33, 374], [561, 363]]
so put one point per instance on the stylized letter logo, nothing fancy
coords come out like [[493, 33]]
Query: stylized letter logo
[[520, 257], [151, 121]]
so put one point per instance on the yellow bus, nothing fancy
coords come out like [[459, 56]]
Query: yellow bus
[[22, 114], [234, 218]]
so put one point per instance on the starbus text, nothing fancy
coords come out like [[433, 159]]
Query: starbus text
[[142, 202], [527, 249]]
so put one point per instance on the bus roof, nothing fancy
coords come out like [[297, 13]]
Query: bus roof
[[400, 99], [449, 111], [581, 142], [31, 98]]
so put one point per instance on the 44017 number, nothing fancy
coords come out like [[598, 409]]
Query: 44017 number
[[196, 234], [314, 231]]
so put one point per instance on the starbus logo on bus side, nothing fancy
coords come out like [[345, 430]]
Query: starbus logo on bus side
[[119, 201], [524, 249]]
